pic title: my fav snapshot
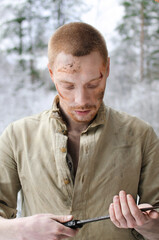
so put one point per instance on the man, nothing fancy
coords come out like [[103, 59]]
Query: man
[[80, 159]]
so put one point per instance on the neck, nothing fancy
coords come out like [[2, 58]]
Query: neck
[[76, 127]]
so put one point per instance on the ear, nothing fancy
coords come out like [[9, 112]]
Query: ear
[[108, 67], [51, 72]]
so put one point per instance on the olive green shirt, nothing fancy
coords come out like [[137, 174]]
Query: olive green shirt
[[117, 152]]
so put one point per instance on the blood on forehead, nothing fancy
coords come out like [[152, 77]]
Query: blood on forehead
[[71, 67]]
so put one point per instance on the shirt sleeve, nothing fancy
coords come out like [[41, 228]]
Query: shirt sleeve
[[9, 180], [149, 178]]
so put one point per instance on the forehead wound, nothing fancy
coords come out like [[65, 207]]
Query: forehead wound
[[70, 67]]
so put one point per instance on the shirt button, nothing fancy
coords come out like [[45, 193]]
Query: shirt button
[[63, 149], [66, 181], [64, 132]]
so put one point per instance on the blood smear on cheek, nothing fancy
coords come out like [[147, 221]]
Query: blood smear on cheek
[[60, 93], [100, 95]]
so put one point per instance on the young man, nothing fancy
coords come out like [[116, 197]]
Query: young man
[[80, 159]]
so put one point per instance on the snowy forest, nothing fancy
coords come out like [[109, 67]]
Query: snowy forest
[[25, 28]]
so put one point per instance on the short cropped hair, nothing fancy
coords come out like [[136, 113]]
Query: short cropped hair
[[77, 39]]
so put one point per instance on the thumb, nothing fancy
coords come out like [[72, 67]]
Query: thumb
[[62, 218], [154, 214]]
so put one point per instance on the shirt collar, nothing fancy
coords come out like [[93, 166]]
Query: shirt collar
[[55, 113]]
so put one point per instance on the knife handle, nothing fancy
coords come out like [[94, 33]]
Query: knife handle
[[73, 224]]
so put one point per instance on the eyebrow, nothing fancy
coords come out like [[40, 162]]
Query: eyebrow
[[97, 78], [94, 79], [64, 81]]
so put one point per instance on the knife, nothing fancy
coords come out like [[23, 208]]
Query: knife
[[79, 223]]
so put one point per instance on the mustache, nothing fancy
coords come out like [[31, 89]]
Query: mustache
[[84, 107]]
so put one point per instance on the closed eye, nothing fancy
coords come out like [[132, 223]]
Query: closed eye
[[95, 82], [92, 85], [68, 87]]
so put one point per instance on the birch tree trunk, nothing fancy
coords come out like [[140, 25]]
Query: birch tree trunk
[[142, 42]]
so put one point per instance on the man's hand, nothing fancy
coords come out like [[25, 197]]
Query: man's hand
[[124, 213], [37, 227]]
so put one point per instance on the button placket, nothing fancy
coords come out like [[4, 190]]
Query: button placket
[[82, 178], [66, 176]]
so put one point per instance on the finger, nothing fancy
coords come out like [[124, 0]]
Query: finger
[[62, 218], [112, 215], [140, 217], [62, 230], [131, 223], [153, 214], [118, 212], [69, 232], [63, 236]]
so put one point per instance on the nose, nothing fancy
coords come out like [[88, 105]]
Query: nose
[[82, 97]]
